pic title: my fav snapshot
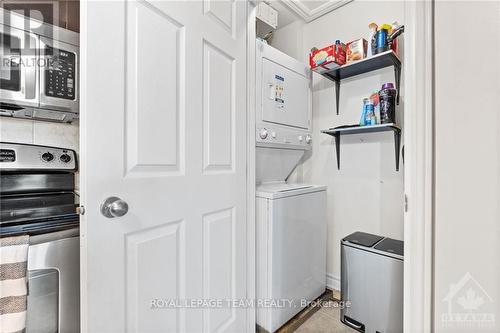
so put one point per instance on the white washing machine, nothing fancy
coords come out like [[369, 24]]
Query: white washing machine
[[291, 250], [291, 218]]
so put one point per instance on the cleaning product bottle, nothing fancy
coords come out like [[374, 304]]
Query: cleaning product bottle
[[392, 42], [394, 46], [373, 118], [372, 41], [382, 34], [369, 114], [374, 98], [362, 121], [387, 97]]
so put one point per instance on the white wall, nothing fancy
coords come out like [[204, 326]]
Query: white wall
[[467, 165], [38, 132], [290, 39], [366, 194]]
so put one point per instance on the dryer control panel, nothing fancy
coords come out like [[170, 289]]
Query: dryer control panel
[[282, 137]]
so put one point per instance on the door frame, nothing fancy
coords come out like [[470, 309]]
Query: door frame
[[251, 225], [419, 167], [82, 157]]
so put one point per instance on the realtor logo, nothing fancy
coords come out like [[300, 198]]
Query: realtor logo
[[468, 305]]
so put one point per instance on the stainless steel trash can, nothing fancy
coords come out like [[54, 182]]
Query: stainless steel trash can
[[372, 283]]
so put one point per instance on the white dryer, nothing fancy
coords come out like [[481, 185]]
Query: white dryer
[[283, 100], [291, 218]]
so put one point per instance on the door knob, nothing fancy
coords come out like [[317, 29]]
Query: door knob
[[114, 207]]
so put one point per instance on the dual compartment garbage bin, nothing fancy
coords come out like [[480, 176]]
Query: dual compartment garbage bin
[[372, 283]]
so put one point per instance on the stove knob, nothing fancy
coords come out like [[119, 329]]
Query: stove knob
[[65, 158], [301, 138], [263, 133], [47, 157], [308, 139]]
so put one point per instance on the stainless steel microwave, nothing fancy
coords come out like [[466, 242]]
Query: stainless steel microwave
[[38, 70]]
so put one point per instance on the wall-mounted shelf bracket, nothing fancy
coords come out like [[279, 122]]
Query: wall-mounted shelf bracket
[[337, 94], [381, 60], [337, 132]]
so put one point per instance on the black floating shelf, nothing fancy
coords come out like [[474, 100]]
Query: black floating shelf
[[356, 129], [381, 60]]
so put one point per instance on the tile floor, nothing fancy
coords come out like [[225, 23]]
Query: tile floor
[[325, 320], [319, 319]]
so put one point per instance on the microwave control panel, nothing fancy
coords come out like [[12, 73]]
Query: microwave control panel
[[60, 73]]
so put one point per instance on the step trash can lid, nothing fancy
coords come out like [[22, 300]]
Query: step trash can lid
[[390, 245], [363, 239]]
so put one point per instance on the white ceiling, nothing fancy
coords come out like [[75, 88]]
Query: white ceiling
[[307, 10], [313, 4]]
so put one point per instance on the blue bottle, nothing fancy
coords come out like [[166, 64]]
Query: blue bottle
[[362, 121], [369, 113]]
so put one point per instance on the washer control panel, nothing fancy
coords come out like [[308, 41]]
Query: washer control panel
[[23, 156], [278, 136]]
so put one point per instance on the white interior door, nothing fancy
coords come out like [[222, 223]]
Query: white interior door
[[164, 128]]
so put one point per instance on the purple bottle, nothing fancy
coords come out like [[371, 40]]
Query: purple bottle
[[387, 96]]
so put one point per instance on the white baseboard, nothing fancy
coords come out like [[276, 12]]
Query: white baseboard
[[332, 282]]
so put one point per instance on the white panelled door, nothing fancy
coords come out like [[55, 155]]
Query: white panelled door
[[164, 129]]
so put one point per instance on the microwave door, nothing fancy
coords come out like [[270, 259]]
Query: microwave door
[[18, 67], [10, 70]]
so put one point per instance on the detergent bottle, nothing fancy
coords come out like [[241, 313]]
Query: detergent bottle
[[382, 34]]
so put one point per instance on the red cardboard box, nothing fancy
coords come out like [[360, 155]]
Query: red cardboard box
[[327, 58]]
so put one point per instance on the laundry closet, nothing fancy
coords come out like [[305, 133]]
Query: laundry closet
[[354, 163]]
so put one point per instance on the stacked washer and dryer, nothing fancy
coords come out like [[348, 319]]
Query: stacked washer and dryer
[[291, 218]]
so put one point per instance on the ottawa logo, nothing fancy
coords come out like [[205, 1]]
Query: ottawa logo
[[468, 305]]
